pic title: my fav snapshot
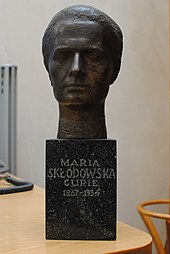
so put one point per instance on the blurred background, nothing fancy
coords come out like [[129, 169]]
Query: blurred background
[[137, 107]]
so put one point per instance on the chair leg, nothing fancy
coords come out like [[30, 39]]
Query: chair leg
[[153, 232], [167, 244]]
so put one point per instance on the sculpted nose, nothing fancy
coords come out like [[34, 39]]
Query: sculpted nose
[[77, 65]]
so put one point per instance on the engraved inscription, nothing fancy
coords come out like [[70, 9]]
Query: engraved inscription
[[81, 162], [84, 193], [81, 173]]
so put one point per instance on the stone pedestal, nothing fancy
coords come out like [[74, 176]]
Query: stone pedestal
[[81, 189]]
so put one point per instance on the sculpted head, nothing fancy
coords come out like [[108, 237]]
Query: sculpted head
[[82, 50]]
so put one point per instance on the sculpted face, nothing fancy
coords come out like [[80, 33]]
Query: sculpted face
[[80, 66]]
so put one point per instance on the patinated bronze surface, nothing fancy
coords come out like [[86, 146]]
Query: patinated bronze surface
[[82, 50]]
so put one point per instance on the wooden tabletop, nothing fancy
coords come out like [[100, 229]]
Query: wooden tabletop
[[22, 231]]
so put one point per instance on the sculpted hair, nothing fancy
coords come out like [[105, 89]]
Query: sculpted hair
[[111, 32]]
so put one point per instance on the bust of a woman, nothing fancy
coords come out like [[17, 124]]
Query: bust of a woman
[[82, 50]]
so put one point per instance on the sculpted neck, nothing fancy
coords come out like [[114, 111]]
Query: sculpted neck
[[82, 124]]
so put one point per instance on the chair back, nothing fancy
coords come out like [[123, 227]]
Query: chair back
[[147, 218]]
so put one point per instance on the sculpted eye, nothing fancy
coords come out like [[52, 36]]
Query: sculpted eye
[[62, 56], [94, 55]]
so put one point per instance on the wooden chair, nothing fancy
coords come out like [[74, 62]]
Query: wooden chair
[[147, 218]]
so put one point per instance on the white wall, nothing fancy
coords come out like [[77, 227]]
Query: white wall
[[137, 106]]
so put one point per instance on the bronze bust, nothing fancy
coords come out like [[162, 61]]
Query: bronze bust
[[82, 49]]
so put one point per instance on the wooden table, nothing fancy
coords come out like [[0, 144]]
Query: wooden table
[[22, 231]]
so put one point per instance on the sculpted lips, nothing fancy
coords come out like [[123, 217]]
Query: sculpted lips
[[76, 85]]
